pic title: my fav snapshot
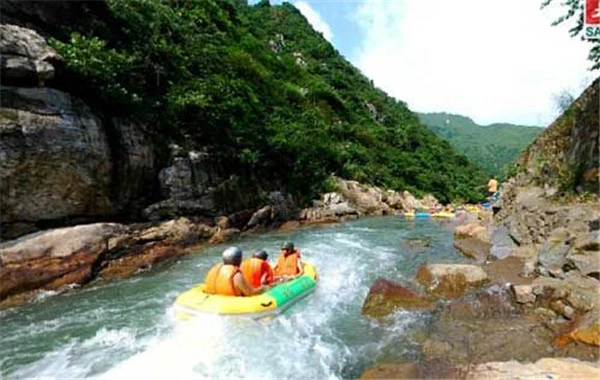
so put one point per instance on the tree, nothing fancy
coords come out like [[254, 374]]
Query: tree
[[563, 100], [574, 13]]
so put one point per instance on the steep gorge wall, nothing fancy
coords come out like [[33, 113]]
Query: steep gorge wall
[[69, 159], [63, 161]]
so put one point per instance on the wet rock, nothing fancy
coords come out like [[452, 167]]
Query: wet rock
[[473, 240], [393, 371], [290, 225], [260, 217], [325, 221], [222, 236], [436, 369], [546, 368], [416, 243], [524, 293], [494, 301], [435, 349], [53, 258], [489, 325], [143, 259], [385, 297], [450, 280]]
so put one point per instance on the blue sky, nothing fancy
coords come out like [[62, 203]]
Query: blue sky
[[494, 61]]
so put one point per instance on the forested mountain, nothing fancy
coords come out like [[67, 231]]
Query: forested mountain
[[493, 147], [263, 93]]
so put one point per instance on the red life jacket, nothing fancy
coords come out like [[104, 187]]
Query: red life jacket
[[288, 265], [219, 280], [253, 270]]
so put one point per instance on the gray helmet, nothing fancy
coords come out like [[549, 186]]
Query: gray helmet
[[232, 256], [261, 254], [287, 245]]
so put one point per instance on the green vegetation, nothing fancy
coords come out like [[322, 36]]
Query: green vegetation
[[494, 147], [268, 97]]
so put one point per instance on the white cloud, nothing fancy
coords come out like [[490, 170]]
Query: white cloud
[[315, 19], [490, 60]]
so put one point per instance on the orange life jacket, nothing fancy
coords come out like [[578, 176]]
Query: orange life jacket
[[287, 265], [254, 269], [219, 280]]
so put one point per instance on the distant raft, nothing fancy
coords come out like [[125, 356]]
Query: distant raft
[[418, 215], [196, 302], [426, 215], [443, 215]]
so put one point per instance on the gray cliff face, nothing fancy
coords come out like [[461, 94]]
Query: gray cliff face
[[62, 161], [55, 157], [67, 160]]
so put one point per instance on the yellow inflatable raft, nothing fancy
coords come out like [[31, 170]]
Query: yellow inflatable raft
[[274, 301], [443, 214]]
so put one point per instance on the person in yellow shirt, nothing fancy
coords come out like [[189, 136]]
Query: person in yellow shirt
[[492, 186]]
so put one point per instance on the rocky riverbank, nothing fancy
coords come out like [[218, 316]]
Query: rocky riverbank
[[532, 293], [74, 256]]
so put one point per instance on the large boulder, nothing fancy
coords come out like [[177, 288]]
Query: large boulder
[[54, 258], [366, 200], [410, 203], [450, 280], [76, 255], [385, 297], [25, 57]]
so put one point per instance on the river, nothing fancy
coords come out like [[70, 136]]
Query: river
[[125, 329]]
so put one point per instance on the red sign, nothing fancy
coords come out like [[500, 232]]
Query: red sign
[[591, 26], [592, 11]]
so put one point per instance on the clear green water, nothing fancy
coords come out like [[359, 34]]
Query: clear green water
[[125, 329]]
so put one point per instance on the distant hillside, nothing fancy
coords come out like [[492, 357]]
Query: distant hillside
[[492, 147]]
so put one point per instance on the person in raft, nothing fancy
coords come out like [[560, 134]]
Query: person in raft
[[256, 270], [492, 186], [289, 264], [226, 279]]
